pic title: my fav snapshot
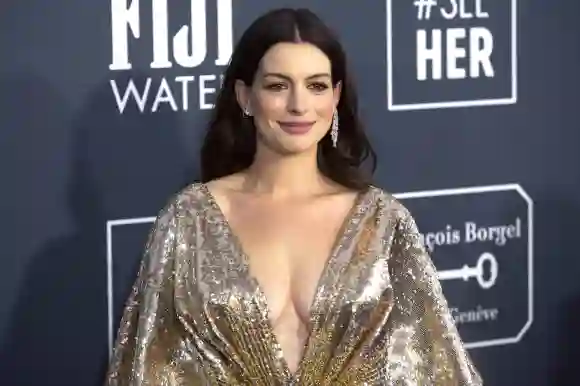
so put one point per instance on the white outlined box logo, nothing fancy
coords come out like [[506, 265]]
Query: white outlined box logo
[[481, 241], [451, 53]]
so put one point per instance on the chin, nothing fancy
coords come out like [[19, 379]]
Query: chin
[[285, 144], [293, 146], [298, 145]]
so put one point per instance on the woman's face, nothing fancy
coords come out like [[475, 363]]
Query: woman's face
[[292, 100]]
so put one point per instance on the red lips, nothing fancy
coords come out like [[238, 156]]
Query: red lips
[[295, 128]]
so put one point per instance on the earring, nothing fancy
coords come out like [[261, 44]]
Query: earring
[[246, 111], [334, 129]]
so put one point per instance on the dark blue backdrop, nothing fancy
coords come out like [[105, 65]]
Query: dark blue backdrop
[[471, 106]]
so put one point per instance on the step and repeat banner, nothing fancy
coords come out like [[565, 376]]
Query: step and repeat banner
[[470, 104]]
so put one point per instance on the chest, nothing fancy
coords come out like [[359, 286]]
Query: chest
[[287, 250]]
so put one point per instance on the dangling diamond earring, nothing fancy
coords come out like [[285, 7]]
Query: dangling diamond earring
[[334, 129]]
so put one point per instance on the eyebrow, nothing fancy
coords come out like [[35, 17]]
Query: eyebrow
[[279, 75]]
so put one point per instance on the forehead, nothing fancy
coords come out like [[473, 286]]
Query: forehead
[[295, 59]]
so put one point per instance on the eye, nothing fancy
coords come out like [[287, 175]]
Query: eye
[[318, 86], [275, 86]]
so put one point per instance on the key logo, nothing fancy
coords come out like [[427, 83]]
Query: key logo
[[451, 53], [481, 242]]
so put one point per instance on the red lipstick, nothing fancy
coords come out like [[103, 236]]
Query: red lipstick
[[296, 128]]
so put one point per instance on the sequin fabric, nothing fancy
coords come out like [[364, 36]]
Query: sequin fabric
[[196, 316]]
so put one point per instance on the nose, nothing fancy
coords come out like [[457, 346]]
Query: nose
[[298, 101]]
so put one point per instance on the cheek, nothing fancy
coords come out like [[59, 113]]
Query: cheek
[[325, 107], [270, 105]]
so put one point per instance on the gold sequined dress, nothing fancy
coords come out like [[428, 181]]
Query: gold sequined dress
[[196, 316]]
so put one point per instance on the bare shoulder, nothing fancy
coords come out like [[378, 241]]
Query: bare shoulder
[[221, 187], [221, 190]]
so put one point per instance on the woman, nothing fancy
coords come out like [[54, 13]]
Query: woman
[[286, 266]]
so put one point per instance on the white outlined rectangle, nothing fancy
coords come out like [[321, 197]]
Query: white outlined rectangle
[[110, 225], [453, 104], [530, 247]]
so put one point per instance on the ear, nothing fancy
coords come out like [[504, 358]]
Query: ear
[[242, 94], [337, 92]]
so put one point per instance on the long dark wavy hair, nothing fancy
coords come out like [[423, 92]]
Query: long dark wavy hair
[[229, 145]]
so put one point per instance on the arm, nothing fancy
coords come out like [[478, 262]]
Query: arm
[[147, 338], [424, 346]]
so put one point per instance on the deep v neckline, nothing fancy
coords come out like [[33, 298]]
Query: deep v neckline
[[344, 231]]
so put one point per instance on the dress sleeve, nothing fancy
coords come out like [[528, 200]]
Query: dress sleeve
[[424, 346], [144, 350]]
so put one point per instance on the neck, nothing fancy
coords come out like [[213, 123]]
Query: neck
[[284, 176]]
